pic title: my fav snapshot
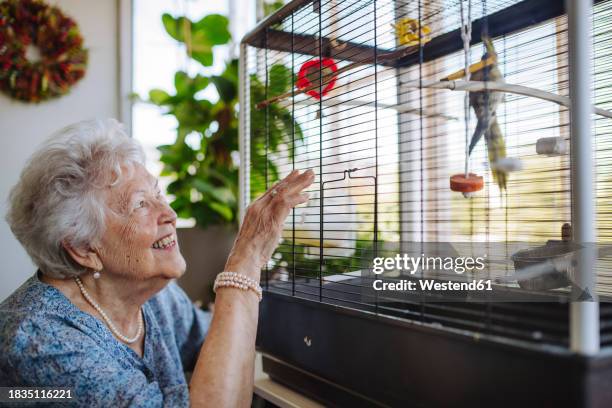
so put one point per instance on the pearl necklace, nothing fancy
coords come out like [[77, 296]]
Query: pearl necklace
[[108, 321]]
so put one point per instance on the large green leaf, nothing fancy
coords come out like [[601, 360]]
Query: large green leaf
[[288, 123], [222, 209], [204, 216], [215, 27], [273, 6], [186, 114], [221, 194], [200, 37], [200, 82], [158, 96], [279, 80], [226, 88], [175, 27], [203, 186], [181, 82], [176, 187], [205, 105], [222, 175], [225, 195], [181, 205], [205, 58], [231, 71], [169, 154]]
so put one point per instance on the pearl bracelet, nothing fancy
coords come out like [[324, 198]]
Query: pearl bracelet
[[239, 281]]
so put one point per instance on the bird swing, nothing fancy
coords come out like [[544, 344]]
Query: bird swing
[[467, 183]]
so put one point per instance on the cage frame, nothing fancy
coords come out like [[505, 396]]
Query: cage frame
[[584, 315]]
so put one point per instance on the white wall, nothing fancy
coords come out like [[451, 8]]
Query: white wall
[[24, 126]]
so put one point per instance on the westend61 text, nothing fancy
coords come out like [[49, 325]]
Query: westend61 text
[[433, 285]]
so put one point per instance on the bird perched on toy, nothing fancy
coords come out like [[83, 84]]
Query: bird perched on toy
[[485, 104]]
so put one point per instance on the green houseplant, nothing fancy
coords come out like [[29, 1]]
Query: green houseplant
[[204, 175]]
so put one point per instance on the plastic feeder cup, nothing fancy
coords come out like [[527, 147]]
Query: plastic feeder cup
[[552, 146], [559, 254]]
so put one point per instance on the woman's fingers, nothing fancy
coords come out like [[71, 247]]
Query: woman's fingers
[[265, 219], [279, 186], [289, 178], [301, 182], [299, 199], [290, 185], [285, 195], [295, 194]]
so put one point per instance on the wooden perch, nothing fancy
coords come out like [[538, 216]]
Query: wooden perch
[[471, 69], [393, 55], [474, 86]]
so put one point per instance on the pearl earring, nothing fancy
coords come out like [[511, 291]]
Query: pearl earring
[[96, 275]]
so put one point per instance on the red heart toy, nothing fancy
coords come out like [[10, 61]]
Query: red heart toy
[[309, 76]]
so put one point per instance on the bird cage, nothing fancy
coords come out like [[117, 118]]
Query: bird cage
[[440, 129]]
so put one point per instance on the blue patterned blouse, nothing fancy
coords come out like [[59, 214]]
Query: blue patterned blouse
[[46, 341]]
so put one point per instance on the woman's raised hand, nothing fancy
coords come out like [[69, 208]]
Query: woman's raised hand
[[263, 223]]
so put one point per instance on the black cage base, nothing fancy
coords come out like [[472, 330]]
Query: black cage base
[[348, 358]]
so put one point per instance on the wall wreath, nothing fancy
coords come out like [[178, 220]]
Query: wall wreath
[[33, 24]]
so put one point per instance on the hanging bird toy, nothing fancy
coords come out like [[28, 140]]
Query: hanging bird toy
[[409, 32], [466, 183], [485, 104], [315, 71]]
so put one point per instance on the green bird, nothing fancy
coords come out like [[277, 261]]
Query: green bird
[[485, 105]]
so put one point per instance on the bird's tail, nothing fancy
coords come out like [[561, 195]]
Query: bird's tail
[[496, 147], [486, 40], [481, 128]]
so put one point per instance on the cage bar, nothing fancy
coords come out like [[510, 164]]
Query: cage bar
[[244, 140], [584, 317]]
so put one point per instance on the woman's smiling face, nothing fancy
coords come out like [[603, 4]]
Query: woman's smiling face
[[140, 238]]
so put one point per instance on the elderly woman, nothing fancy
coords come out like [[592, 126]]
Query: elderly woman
[[103, 315]]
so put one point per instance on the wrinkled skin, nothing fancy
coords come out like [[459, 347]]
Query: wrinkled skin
[[139, 215], [263, 224]]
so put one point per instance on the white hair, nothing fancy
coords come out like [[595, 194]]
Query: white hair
[[57, 199]]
